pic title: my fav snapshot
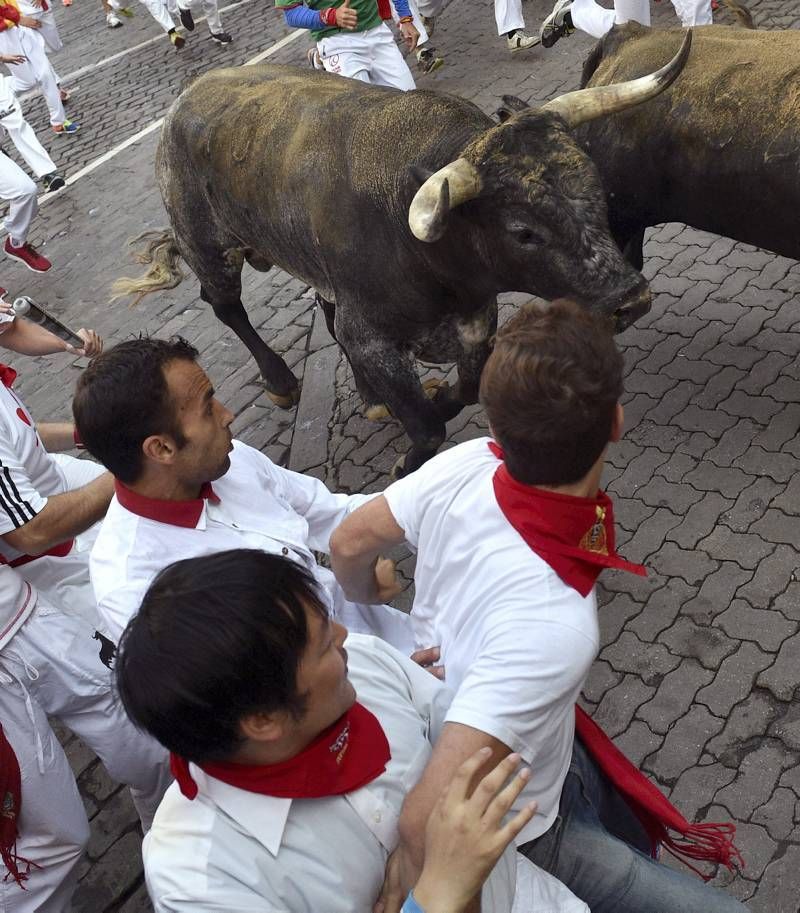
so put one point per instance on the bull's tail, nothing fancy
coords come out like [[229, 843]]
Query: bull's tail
[[743, 15], [161, 252]]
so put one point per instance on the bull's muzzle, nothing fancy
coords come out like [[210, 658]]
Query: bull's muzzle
[[634, 308]]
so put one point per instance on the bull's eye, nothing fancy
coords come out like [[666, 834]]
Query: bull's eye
[[527, 237]]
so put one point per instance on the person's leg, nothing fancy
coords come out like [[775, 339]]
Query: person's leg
[[158, 10], [387, 68], [588, 16], [49, 31], [53, 831], [43, 75], [73, 682], [346, 55], [26, 142], [20, 191], [693, 12], [632, 10], [211, 12], [597, 848]]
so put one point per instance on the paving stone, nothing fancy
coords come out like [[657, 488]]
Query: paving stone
[[138, 902], [658, 492], [699, 520], [693, 567], [675, 696], [601, 677], [720, 386], [751, 504], [693, 418], [733, 443], [763, 373], [649, 537], [734, 679], [638, 472], [782, 676], [630, 513], [788, 603], [109, 883], [684, 744], [780, 886], [618, 705], [677, 466], [315, 410], [111, 822], [777, 815], [778, 526], [771, 577], [716, 592], [749, 720], [728, 481], [708, 645], [673, 402], [746, 549], [697, 787], [614, 615], [755, 781], [779, 466], [746, 623], [660, 610], [788, 500], [782, 427]]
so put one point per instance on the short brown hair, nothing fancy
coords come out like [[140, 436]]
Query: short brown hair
[[550, 390]]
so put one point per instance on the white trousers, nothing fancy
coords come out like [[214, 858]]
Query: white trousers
[[588, 16], [508, 15], [371, 56], [55, 666], [49, 29], [428, 8], [207, 8], [36, 72], [21, 133], [158, 10], [20, 191]]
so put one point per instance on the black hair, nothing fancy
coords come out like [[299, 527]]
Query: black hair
[[217, 638]]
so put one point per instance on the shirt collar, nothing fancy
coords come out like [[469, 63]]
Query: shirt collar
[[263, 816], [176, 513]]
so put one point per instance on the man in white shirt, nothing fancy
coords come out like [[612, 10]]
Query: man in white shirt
[[509, 543], [53, 660], [292, 749], [184, 487]]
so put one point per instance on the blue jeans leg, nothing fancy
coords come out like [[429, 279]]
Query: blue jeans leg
[[597, 848]]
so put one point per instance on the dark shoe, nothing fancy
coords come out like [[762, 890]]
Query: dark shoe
[[186, 19], [221, 37], [52, 182], [557, 25]]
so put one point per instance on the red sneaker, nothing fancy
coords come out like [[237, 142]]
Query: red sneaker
[[28, 256]]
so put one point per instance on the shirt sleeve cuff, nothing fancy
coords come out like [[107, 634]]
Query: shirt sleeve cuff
[[491, 727]]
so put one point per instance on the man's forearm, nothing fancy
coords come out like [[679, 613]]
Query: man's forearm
[[57, 436], [27, 338], [355, 573], [64, 517]]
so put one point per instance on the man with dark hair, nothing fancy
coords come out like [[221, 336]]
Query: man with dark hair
[[148, 412], [511, 535], [292, 749]]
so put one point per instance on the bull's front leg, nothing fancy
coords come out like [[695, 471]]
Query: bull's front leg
[[391, 377]]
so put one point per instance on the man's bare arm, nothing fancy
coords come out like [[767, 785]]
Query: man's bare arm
[[57, 436], [456, 743], [63, 517], [355, 547]]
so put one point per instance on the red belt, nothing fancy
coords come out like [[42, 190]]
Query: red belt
[[58, 551]]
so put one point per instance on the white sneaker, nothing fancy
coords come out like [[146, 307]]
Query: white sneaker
[[519, 41], [112, 21]]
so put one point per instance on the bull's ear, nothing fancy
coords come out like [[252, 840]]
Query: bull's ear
[[511, 105], [419, 174]]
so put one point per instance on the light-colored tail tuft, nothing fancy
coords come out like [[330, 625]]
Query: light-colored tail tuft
[[161, 252]]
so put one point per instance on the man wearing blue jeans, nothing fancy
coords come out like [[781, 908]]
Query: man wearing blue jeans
[[511, 534]]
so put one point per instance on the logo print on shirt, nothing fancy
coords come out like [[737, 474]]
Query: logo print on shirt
[[339, 746]]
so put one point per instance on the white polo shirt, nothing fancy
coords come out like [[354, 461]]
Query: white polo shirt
[[517, 643], [29, 475], [232, 850], [256, 504]]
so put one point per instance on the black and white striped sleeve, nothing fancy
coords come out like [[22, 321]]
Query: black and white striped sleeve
[[19, 500]]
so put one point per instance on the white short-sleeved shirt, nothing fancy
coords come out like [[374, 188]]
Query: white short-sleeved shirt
[[256, 505], [234, 850], [517, 642], [29, 475]]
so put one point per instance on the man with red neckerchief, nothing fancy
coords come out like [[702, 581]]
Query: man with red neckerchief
[[293, 746], [511, 535]]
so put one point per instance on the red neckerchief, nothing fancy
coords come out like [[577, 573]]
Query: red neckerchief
[[7, 375], [344, 757], [575, 536], [177, 513], [10, 804]]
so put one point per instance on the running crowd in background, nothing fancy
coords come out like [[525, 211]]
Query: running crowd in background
[[292, 742], [351, 39]]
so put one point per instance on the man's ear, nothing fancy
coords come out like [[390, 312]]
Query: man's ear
[[617, 423], [159, 448], [263, 727]]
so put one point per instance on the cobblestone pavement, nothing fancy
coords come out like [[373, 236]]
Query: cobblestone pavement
[[696, 679]]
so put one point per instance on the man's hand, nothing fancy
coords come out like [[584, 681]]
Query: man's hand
[[410, 35], [427, 659], [392, 894], [29, 22], [466, 836], [12, 59], [387, 583], [345, 17], [93, 344]]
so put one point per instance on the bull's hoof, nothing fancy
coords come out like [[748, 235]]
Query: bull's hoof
[[377, 413], [288, 401], [399, 469]]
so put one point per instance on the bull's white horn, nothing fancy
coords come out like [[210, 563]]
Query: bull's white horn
[[447, 188], [587, 104]]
